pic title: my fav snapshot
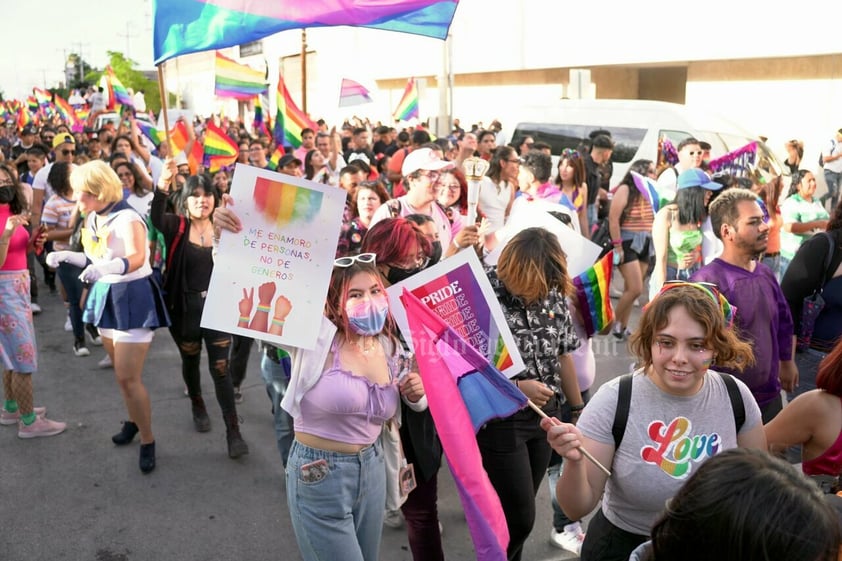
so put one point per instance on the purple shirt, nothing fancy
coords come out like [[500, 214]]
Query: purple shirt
[[762, 319]]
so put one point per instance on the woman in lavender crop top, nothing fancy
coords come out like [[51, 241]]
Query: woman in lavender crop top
[[814, 420], [335, 475]]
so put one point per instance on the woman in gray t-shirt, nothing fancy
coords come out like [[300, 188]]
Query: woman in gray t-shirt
[[679, 414]]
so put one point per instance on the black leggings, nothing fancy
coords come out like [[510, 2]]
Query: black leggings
[[216, 345], [515, 454], [606, 542]]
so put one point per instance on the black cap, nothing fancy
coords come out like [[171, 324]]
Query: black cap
[[287, 159]]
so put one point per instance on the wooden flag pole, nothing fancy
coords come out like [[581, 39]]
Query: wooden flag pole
[[584, 452], [162, 90]]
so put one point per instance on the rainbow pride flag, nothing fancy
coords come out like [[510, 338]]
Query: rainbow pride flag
[[150, 132], [275, 159], [190, 26], [117, 92], [592, 294], [179, 137], [408, 105], [67, 112], [260, 126], [282, 203], [289, 120], [235, 80], [220, 150], [43, 97], [353, 93]]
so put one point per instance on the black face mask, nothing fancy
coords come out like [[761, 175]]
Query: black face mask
[[7, 195], [396, 274], [436, 256]]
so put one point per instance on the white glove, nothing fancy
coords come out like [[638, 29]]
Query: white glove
[[73, 257], [93, 273]]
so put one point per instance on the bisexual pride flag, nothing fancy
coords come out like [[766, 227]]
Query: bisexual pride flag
[[189, 26], [647, 189], [463, 392]]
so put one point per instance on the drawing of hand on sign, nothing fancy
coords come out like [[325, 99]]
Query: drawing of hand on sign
[[260, 321]]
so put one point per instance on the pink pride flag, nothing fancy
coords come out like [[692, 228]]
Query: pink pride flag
[[463, 392], [353, 93]]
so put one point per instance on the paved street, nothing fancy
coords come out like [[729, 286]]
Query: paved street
[[77, 497]]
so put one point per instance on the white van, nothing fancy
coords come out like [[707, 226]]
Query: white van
[[635, 126]]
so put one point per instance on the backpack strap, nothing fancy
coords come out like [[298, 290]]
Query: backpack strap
[[621, 414], [737, 405], [178, 235]]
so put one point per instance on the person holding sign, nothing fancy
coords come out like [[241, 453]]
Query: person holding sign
[[189, 241], [124, 301], [340, 395], [531, 281], [656, 426]]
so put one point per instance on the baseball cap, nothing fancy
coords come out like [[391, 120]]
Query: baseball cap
[[28, 129], [697, 178], [423, 158], [63, 138], [287, 159]]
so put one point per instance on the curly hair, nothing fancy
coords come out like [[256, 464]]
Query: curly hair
[[729, 350]]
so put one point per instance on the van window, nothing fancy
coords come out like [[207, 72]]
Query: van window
[[626, 139]]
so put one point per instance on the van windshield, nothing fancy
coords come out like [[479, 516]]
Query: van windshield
[[626, 139]]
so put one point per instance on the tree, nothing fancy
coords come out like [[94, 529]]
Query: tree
[[75, 71], [126, 71]]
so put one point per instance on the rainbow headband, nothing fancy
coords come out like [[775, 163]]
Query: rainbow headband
[[728, 311]]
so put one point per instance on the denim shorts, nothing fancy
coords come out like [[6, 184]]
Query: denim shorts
[[336, 502]]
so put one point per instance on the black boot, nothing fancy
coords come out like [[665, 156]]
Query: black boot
[[236, 445], [126, 434], [147, 457], [200, 415]]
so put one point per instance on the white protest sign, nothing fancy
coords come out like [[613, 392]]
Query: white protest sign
[[581, 252], [270, 280]]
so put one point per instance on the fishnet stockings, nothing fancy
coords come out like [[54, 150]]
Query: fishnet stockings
[[21, 386]]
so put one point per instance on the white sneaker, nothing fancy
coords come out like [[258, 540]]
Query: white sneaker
[[68, 326], [36, 309], [570, 539], [93, 335], [79, 348], [105, 362], [393, 519]]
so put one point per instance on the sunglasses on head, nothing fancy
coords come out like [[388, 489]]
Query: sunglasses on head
[[344, 262]]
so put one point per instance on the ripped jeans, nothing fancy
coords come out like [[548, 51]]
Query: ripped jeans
[[217, 345]]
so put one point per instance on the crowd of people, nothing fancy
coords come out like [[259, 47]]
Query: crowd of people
[[738, 349]]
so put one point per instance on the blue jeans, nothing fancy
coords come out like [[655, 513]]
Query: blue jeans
[[774, 263], [681, 274], [276, 378], [69, 276], [783, 265], [833, 180], [340, 516], [593, 216]]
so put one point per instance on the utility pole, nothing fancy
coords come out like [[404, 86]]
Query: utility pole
[[79, 44], [128, 35]]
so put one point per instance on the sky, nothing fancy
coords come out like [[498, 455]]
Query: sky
[[36, 47]]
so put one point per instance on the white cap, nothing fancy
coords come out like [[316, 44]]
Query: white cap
[[423, 158]]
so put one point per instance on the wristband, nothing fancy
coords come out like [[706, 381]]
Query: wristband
[[261, 308], [577, 408], [457, 246], [244, 319], [125, 265], [278, 322], [616, 242]]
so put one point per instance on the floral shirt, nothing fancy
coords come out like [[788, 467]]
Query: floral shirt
[[543, 331]]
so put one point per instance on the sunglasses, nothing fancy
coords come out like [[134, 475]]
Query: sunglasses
[[728, 311], [345, 262], [68, 152]]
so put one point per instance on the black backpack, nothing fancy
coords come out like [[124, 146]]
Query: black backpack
[[621, 414]]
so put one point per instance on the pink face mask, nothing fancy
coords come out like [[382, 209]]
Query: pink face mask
[[367, 317]]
